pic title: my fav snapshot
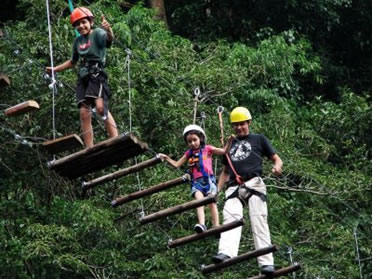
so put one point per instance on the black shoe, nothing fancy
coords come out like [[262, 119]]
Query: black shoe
[[219, 258], [199, 228], [267, 269]]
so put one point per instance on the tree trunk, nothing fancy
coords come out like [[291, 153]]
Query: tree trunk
[[161, 11]]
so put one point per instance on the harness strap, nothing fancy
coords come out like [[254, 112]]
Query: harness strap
[[203, 171], [200, 158], [96, 68], [244, 198], [239, 179]]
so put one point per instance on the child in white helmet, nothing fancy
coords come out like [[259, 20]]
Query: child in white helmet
[[199, 157]]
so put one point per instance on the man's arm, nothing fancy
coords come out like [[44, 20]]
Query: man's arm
[[223, 178], [277, 164]]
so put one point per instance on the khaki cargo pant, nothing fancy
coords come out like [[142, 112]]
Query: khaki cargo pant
[[233, 210]]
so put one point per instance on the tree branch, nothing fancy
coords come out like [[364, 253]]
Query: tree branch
[[292, 189]]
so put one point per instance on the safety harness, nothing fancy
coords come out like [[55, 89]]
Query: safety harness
[[192, 162], [95, 70], [242, 192]]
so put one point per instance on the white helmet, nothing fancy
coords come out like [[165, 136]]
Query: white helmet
[[193, 127]]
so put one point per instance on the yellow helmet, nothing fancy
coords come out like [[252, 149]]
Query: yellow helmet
[[240, 114]]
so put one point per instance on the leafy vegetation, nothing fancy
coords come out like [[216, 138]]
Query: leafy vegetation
[[317, 207]]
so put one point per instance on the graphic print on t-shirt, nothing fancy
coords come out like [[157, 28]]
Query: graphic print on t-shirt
[[85, 46], [240, 150]]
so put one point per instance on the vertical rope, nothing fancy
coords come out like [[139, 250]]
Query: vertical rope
[[196, 94], [53, 84], [127, 64], [203, 118], [357, 252], [290, 252]]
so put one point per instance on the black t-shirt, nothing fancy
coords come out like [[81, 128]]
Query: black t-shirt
[[246, 154]]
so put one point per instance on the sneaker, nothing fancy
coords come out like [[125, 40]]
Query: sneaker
[[267, 269], [199, 228], [219, 258]]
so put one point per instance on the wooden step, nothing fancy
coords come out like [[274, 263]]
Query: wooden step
[[151, 190], [209, 232], [120, 173], [4, 80], [104, 154], [178, 209], [22, 108], [279, 272], [238, 259], [63, 144]]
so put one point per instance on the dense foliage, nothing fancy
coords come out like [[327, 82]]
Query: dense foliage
[[317, 208]]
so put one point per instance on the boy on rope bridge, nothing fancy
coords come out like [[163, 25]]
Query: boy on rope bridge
[[199, 157], [242, 171], [92, 86]]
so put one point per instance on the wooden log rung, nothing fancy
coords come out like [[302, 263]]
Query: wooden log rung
[[22, 108], [279, 272], [209, 232], [151, 190], [4, 80], [121, 173], [111, 151], [238, 259], [178, 209], [63, 144]]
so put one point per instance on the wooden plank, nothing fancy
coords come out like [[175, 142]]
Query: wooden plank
[[209, 232], [279, 272], [111, 151], [151, 190], [63, 144], [178, 209], [22, 108], [121, 173], [4, 80], [238, 259]]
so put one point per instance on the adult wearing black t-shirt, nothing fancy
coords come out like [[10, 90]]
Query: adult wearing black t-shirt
[[246, 154]]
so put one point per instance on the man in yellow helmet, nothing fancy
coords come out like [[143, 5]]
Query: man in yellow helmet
[[246, 188]]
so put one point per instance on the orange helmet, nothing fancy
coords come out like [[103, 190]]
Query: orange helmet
[[79, 13]]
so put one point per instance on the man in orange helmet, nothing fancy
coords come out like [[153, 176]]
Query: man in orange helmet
[[92, 88], [246, 189]]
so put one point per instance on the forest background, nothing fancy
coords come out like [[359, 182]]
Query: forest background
[[303, 68]]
